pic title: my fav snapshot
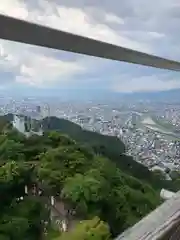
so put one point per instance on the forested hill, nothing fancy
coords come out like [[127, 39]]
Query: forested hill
[[75, 131], [93, 189], [110, 147]]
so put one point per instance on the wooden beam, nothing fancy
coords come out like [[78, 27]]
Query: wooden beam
[[25, 32]]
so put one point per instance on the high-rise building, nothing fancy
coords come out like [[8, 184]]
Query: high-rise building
[[18, 123], [45, 111], [27, 123], [134, 119], [27, 126], [38, 109]]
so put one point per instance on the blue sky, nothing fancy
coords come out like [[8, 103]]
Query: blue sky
[[149, 26]]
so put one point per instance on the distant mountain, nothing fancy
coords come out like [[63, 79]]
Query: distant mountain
[[169, 96], [106, 96]]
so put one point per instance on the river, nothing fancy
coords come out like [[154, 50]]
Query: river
[[148, 122]]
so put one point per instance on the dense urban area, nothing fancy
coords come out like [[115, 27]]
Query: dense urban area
[[150, 132], [84, 170]]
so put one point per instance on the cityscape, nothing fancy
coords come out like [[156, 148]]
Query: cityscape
[[150, 131]]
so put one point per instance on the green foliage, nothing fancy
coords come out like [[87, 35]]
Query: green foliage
[[23, 220], [59, 163], [10, 149], [13, 178], [96, 140], [82, 175], [110, 147], [94, 229], [5, 123], [18, 219], [85, 192], [52, 234]]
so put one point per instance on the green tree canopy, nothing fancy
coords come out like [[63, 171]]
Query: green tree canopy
[[90, 183], [94, 229]]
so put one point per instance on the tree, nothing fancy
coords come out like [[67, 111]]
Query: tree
[[86, 192], [15, 135], [87, 181], [13, 177], [94, 229], [24, 220], [14, 227], [56, 139], [11, 150], [57, 164]]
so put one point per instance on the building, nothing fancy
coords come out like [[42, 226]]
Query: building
[[38, 109], [18, 123], [27, 125]]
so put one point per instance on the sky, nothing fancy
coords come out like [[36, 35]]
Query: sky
[[148, 26]]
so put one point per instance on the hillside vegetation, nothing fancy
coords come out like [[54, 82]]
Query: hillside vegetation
[[106, 199], [110, 147]]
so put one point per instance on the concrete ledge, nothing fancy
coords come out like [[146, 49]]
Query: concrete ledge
[[160, 224]]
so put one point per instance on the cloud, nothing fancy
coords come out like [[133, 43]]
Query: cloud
[[32, 65], [156, 35], [151, 27], [47, 70], [111, 18], [14, 8], [152, 83]]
